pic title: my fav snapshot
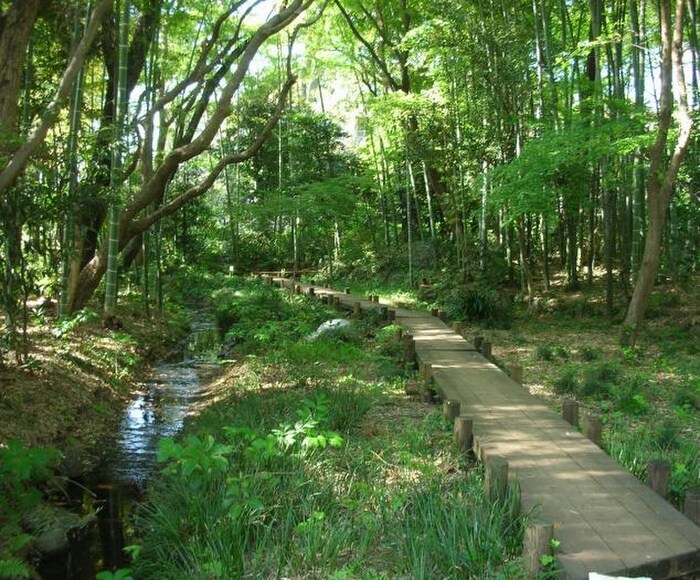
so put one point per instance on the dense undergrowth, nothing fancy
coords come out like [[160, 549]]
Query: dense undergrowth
[[312, 463]]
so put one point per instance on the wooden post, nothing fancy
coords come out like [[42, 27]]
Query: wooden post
[[357, 310], [691, 507], [392, 315], [495, 477], [442, 315], [428, 394], [336, 301], [457, 327], [593, 428], [312, 291], [537, 543], [658, 473], [324, 299], [434, 312], [411, 388], [486, 348], [410, 348], [375, 298], [569, 410], [347, 290], [478, 339], [464, 424], [384, 312], [516, 373], [297, 289], [450, 409]]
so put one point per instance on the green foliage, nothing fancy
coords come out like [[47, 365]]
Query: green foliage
[[544, 352], [478, 304], [121, 574], [588, 353], [629, 397], [567, 382], [634, 444], [21, 469], [69, 324], [439, 541], [598, 381], [688, 397]]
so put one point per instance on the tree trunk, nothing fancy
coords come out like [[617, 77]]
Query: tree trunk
[[662, 175]]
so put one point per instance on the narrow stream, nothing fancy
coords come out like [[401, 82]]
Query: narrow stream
[[158, 410]]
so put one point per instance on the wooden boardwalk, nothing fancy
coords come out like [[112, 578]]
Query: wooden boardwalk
[[606, 520]]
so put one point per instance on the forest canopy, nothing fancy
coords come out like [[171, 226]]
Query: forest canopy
[[511, 138]]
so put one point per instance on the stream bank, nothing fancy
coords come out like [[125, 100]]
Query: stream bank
[[103, 498]]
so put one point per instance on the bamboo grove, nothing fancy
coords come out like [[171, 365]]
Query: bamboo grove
[[522, 140]]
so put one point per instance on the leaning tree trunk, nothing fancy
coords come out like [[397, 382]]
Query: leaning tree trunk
[[661, 179]]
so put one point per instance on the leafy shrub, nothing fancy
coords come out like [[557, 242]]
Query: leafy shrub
[[478, 304], [630, 399], [20, 470], [598, 381], [567, 383], [562, 352], [667, 434], [544, 352], [687, 397], [588, 353]]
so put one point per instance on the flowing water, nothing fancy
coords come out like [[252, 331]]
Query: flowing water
[[156, 411]]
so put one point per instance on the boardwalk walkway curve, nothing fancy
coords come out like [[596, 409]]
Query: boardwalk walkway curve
[[606, 520]]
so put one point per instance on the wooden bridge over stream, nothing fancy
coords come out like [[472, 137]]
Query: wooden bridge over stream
[[606, 520]]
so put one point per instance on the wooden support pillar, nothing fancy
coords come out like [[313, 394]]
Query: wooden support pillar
[[336, 301], [478, 339], [495, 477], [428, 392], [658, 474], [457, 327], [384, 312], [691, 507], [409, 348], [442, 315], [357, 310], [312, 291], [375, 298], [536, 544], [569, 411], [516, 373], [593, 428], [486, 348], [434, 312], [450, 409], [412, 389], [324, 299], [297, 289], [347, 290], [464, 425]]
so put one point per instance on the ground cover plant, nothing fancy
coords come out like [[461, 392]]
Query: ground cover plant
[[308, 460]]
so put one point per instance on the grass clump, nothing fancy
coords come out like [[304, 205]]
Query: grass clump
[[478, 303], [588, 353], [567, 383], [598, 381]]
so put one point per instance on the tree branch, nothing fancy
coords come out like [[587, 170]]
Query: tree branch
[[19, 160]]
